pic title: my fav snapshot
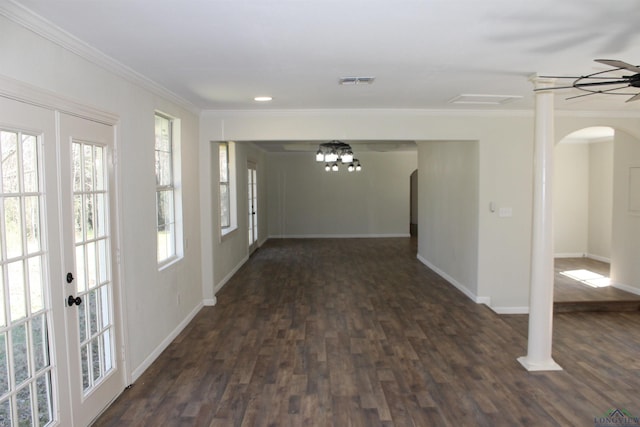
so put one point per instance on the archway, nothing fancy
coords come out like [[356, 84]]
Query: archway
[[583, 194], [584, 221], [582, 208]]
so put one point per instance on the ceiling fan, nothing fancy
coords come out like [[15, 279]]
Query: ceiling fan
[[604, 82]]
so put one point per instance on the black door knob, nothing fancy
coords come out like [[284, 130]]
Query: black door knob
[[71, 300], [69, 277]]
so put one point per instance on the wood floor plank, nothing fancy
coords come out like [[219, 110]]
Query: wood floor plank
[[357, 332]]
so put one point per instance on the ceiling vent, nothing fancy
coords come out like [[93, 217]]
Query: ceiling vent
[[483, 99], [356, 80]]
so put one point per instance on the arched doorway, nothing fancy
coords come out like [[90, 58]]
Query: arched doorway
[[583, 194], [584, 218]]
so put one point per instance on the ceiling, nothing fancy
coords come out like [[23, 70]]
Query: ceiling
[[220, 54]]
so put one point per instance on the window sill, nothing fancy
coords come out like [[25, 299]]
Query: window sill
[[169, 262], [227, 233]]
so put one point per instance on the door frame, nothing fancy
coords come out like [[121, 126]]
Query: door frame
[[29, 94]]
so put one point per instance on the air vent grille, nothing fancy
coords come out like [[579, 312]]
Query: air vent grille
[[356, 80]]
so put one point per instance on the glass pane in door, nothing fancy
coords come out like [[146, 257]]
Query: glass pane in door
[[254, 203], [92, 256], [250, 207], [25, 363]]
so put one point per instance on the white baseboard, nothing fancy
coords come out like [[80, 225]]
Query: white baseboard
[[210, 302], [164, 344], [459, 286], [510, 310], [484, 300], [570, 255], [477, 299], [230, 275], [583, 255], [627, 288], [599, 258]]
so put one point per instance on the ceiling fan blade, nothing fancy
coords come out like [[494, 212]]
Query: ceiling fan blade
[[553, 88], [595, 92], [594, 77], [612, 82], [634, 98], [579, 85], [582, 95], [619, 64]]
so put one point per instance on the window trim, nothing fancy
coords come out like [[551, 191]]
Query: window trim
[[231, 191], [176, 188], [224, 183]]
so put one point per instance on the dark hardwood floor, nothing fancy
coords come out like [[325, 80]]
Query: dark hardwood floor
[[357, 332]]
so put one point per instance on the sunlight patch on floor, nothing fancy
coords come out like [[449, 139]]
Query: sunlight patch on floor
[[587, 277]]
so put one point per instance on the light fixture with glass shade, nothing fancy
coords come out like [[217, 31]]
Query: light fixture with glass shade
[[334, 152]]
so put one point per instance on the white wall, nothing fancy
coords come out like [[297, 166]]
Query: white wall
[[625, 247], [307, 201], [232, 250], [600, 200], [448, 207], [151, 309], [571, 199], [223, 256], [583, 197]]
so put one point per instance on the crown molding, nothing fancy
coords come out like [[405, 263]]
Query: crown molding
[[51, 32], [415, 112], [367, 112], [610, 114], [24, 92]]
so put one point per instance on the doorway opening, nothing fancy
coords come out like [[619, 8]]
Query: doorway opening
[[583, 207], [413, 204]]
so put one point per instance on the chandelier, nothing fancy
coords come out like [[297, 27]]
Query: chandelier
[[334, 152]]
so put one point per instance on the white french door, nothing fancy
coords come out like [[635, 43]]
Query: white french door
[[252, 191], [28, 372], [90, 321], [58, 347]]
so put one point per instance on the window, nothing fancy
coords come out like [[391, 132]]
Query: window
[[228, 217], [168, 226], [225, 200]]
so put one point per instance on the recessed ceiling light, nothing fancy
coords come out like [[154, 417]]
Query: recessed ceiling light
[[262, 98]]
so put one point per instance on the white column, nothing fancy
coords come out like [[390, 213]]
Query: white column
[[538, 356]]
